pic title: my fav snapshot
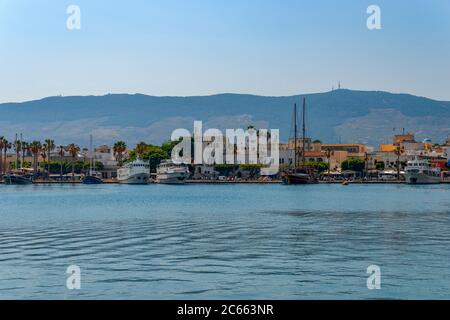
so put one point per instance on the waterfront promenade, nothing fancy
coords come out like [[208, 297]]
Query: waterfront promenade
[[247, 181]]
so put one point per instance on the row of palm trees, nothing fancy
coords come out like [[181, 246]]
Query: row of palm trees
[[37, 150], [44, 150]]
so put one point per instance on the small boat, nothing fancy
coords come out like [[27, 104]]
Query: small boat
[[345, 183], [171, 173], [136, 172], [420, 171], [17, 179], [93, 177]]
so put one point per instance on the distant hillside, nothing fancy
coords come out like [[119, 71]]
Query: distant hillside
[[340, 115]]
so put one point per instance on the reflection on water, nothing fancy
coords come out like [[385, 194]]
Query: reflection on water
[[224, 241]]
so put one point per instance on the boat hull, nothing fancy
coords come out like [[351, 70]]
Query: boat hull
[[17, 180], [421, 178], [298, 178], [169, 179], [91, 180], [138, 178]]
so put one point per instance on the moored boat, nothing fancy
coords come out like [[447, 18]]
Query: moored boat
[[17, 179], [420, 171], [93, 177], [171, 173], [136, 172], [300, 174]]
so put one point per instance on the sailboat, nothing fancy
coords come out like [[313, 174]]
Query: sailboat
[[300, 174], [93, 177], [18, 175]]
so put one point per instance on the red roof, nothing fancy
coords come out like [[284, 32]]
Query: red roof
[[314, 154]]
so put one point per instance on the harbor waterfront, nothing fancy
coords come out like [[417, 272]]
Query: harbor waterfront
[[223, 241]]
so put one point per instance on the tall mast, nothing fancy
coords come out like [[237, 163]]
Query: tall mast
[[91, 155], [21, 149], [16, 145], [303, 132], [295, 135]]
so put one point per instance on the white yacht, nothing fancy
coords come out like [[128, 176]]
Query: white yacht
[[170, 173], [136, 172], [419, 171]]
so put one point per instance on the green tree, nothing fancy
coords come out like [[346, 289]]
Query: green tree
[[73, 150], [320, 166], [35, 148], [379, 165], [354, 164], [224, 169], [140, 149], [49, 147], [119, 149], [253, 169]]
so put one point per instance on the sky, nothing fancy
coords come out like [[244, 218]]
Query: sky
[[202, 47]]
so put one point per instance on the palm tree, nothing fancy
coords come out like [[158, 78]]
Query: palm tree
[[6, 146], [50, 147], [35, 148], [329, 153], [119, 148], [2, 144], [61, 153], [18, 149], [140, 149], [25, 149], [44, 155], [73, 151]]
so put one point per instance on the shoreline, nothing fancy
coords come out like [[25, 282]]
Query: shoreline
[[110, 181]]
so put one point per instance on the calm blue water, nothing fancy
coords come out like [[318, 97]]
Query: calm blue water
[[224, 241]]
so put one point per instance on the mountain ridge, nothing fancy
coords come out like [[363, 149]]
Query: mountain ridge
[[340, 115]]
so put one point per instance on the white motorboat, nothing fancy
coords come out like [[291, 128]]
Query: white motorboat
[[136, 172], [171, 173]]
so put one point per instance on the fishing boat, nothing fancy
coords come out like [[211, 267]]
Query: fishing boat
[[300, 173], [93, 177]]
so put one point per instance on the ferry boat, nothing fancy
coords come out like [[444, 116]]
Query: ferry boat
[[136, 172], [171, 173], [419, 171]]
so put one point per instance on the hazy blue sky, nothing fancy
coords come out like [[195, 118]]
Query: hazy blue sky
[[198, 47]]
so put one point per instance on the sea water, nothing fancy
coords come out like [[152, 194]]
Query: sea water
[[225, 241]]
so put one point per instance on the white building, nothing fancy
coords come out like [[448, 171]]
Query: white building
[[105, 155]]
